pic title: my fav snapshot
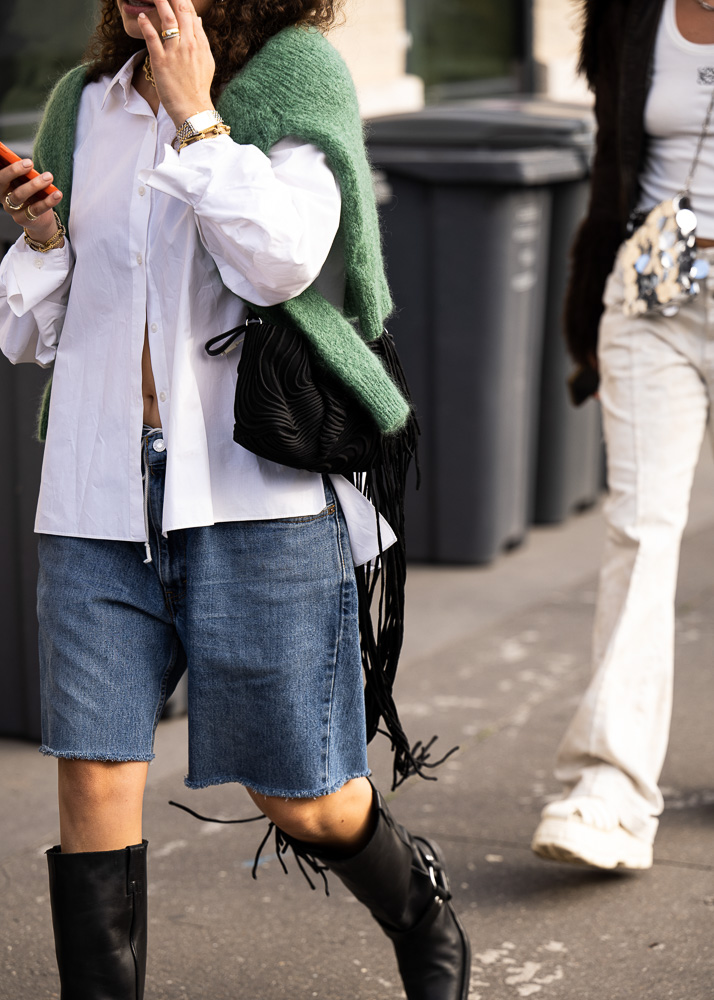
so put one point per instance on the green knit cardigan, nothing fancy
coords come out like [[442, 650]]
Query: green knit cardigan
[[296, 85]]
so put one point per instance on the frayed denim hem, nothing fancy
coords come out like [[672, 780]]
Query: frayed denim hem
[[115, 758], [277, 793]]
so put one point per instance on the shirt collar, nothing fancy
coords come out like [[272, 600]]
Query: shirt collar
[[124, 77]]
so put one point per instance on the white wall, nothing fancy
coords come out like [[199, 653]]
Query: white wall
[[373, 40], [556, 42]]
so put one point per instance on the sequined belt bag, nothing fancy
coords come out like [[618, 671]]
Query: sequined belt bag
[[661, 271]]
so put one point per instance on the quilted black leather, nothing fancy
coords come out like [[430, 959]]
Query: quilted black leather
[[290, 411]]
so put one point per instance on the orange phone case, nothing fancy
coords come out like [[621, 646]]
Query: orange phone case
[[7, 157]]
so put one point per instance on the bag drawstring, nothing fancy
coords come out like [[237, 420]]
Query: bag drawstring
[[224, 343], [145, 481]]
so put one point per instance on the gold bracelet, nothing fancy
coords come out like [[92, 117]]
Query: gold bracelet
[[52, 242], [206, 133]]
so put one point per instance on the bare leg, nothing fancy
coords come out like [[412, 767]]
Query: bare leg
[[100, 804], [343, 819]]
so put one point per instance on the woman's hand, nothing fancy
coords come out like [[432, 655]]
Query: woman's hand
[[183, 67], [43, 225]]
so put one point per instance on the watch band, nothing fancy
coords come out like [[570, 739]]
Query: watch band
[[207, 133], [196, 124]]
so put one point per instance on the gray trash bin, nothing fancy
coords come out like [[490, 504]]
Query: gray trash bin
[[570, 456], [466, 198]]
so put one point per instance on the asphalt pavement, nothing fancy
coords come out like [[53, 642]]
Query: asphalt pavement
[[495, 660]]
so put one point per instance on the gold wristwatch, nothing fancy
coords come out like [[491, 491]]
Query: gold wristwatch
[[196, 125]]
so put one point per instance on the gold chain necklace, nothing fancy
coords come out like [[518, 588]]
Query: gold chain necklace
[[148, 72]]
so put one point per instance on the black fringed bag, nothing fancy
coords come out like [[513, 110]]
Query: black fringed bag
[[289, 410]]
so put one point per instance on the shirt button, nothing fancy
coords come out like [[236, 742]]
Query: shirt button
[[159, 445], [139, 259], [162, 397], [153, 126], [142, 191], [154, 328], [39, 263]]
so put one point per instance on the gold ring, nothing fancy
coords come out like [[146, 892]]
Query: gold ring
[[11, 204], [171, 33], [30, 216]]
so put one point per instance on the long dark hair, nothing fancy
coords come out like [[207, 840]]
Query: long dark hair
[[236, 29]]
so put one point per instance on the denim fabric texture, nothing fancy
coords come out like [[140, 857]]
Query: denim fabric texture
[[263, 614]]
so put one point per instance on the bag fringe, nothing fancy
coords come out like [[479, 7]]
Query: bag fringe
[[384, 484]]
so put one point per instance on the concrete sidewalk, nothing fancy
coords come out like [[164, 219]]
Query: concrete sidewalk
[[495, 661]]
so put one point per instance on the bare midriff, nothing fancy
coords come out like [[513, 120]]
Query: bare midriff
[[148, 387]]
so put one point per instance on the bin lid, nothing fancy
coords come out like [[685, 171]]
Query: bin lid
[[507, 141], [507, 167], [501, 123]]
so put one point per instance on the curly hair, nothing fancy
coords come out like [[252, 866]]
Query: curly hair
[[236, 30]]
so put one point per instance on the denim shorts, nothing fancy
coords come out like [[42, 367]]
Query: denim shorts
[[262, 615]]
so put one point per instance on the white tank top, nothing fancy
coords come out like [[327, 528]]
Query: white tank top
[[682, 85]]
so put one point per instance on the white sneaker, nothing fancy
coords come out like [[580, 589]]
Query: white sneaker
[[587, 831]]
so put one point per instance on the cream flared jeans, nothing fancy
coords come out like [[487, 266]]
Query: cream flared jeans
[[657, 385]]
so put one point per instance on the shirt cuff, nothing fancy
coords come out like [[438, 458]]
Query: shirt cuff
[[30, 277], [187, 176]]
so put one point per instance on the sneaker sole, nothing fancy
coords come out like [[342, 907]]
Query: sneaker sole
[[575, 843]]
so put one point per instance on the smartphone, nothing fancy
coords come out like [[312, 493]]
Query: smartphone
[[7, 157]]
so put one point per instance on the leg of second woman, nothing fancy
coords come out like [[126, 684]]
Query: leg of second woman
[[98, 880], [655, 408], [399, 877]]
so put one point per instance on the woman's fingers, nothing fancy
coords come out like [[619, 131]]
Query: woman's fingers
[[43, 206], [40, 222], [152, 39], [8, 175], [24, 192], [185, 14], [166, 15], [179, 14]]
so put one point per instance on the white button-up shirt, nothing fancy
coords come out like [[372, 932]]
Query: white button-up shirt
[[169, 244]]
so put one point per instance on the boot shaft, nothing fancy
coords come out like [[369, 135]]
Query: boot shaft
[[401, 879], [100, 922]]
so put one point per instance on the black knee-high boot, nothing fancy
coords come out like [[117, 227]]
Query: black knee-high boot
[[99, 917], [401, 880]]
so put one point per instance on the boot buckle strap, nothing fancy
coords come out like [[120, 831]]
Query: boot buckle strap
[[438, 878]]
